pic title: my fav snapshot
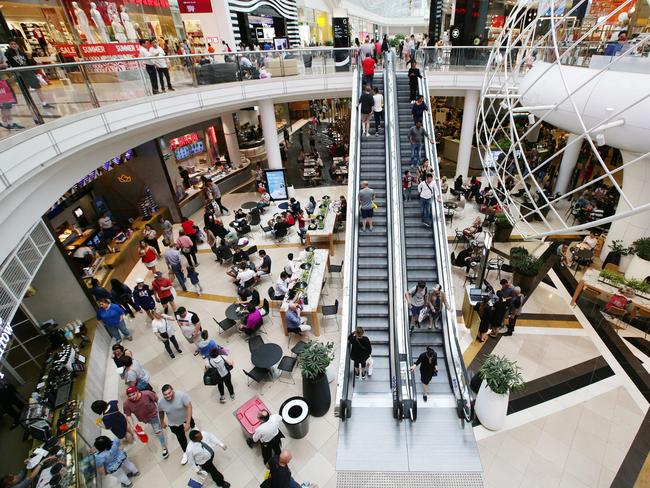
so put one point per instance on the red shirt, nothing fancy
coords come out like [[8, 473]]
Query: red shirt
[[290, 220], [145, 408], [149, 255], [301, 222], [188, 227], [368, 66], [159, 283]]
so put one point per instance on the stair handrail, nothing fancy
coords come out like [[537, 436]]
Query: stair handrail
[[343, 405], [458, 376], [405, 384]]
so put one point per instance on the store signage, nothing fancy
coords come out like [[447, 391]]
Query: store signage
[[195, 6], [152, 3], [6, 334], [110, 49], [602, 8], [6, 95], [124, 179], [66, 50]]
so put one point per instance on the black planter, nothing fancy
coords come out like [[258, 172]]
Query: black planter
[[613, 258], [502, 234], [317, 395], [524, 282]]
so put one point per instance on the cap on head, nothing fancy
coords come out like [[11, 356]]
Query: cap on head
[[158, 274], [131, 389], [140, 280]]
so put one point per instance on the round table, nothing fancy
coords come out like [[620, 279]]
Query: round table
[[266, 355], [450, 205], [248, 205], [283, 205], [231, 312]]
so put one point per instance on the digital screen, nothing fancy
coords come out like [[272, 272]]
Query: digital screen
[[190, 150], [276, 183], [264, 20], [78, 212], [281, 43]]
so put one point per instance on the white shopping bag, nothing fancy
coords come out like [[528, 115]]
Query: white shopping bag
[[369, 364]]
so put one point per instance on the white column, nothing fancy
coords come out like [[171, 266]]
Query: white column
[[568, 164], [467, 132], [270, 131], [230, 135]]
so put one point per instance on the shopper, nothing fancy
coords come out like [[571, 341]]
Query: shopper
[[367, 205], [164, 331], [143, 52], [135, 375], [144, 405], [407, 185], [124, 296], [193, 276], [17, 58], [418, 109], [187, 247], [7, 121], [143, 298], [368, 65], [200, 453], [416, 298], [205, 344], [366, 102], [191, 230], [120, 353], [416, 135], [425, 190], [177, 406], [435, 301], [219, 367], [112, 316], [162, 287], [498, 314], [110, 459], [414, 77], [151, 237], [113, 420], [515, 306], [360, 351], [167, 231], [98, 291], [485, 311], [269, 435], [428, 362], [279, 472], [377, 108], [173, 258], [162, 67], [216, 196]]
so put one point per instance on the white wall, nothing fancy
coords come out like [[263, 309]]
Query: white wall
[[216, 23]]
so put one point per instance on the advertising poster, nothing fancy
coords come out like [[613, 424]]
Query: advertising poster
[[276, 183]]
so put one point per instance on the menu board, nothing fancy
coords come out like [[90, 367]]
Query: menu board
[[185, 152], [276, 183]]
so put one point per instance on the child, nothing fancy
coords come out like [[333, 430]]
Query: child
[[407, 184], [194, 279]]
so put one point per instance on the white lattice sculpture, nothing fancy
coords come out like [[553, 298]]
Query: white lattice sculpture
[[546, 67]]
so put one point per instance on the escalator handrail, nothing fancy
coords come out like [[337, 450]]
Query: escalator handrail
[[458, 375], [343, 404], [406, 378]]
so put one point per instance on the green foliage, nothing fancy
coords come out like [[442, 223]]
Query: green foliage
[[618, 279], [501, 374], [641, 247], [502, 222], [518, 252], [617, 247], [315, 358], [395, 40], [523, 263], [328, 43], [612, 277]]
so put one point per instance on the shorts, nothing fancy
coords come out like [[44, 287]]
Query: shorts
[[150, 264], [415, 311], [367, 213], [166, 300], [365, 117]]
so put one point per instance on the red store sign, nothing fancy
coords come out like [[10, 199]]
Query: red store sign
[[195, 6], [153, 3], [109, 49], [67, 50]]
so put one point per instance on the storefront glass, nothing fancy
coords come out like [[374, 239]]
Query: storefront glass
[[315, 27]]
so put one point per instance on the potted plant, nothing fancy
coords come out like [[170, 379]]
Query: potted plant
[[503, 228], [500, 377], [313, 361], [617, 251], [639, 267], [524, 268]]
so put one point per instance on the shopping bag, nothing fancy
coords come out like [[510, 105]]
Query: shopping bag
[[369, 365], [142, 435], [424, 313], [374, 206]]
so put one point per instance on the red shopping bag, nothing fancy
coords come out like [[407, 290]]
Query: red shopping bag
[[142, 435]]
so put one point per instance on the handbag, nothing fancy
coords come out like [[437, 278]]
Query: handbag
[[210, 377], [374, 206]]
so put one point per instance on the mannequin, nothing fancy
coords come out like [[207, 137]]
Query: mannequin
[[99, 23], [128, 26], [118, 29], [82, 23]]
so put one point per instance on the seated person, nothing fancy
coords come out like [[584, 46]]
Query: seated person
[[240, 214], [252, 320], [444, 186], [218, 229], [621, 299], [289, 218], [459, 187], [564, 255], [239, 256], [465, 259], [265, 201], [244, 275], [474, 188], [479, 237], [589, 242], [280, 228], [231, 238], [302, 225], [84, 255], [288, 266], [265, 266], [241, 226], [584, 200], [469, 232], [295, 323], [223, 252], [248, 295], [294, 205], [281, 286]]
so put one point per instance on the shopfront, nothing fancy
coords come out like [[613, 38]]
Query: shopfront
[[315, 26]]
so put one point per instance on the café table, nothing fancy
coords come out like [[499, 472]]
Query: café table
[[231, 312], [267, 355], [283, 205], [248, 205], [328, 227]]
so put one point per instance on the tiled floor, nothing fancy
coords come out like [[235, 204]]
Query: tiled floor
[[313, 456]]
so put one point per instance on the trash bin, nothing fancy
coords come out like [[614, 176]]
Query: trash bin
[[295, 415]]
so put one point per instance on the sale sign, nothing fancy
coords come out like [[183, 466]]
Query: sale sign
[[109, 49], [195, 6], [66, 50]]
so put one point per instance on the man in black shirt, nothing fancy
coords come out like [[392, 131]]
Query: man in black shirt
[[428, 362], [366, 101], [280, 474]]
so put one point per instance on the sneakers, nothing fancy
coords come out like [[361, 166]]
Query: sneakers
[[165, 453], [503, 330], [47, 105], [200, 472], [129, 338], [184, 459], [424, 397], [356, 375], [225, 484], [364, 376], [179, 351], [232, 397], [172, 356], [222, 399], [133, 475]]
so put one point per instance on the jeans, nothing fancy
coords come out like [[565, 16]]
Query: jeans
[[425, 207], [163, 74], [157, 430], [151, 71], [114, 331], [179, 432], [125, 469], [178, 272], [367, 79], [415, 153], [172, 339]]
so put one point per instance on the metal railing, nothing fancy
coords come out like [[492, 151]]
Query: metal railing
[[405, 378], [343, 405], [458, 376]]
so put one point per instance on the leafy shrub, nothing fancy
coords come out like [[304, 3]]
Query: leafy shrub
[[501, 374]]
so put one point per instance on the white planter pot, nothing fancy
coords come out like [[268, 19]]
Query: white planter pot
[[624, 263], [638, 268], [491, 408], [330, 372]]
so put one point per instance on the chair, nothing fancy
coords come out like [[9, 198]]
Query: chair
[[266, 229], [460, 237], [331, 311], [495, 264], [250, 283], [251, 250], [256, 374], [273, 298], [590, 298], [299, 347], [266, 310], [287, 364], [337, 268], [617, 313], [225, 325], [254, 215], [254, 342], [612, 267]]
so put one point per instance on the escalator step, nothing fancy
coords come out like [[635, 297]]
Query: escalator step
[[366, 298]]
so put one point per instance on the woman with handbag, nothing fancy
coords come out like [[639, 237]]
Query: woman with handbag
[[187, 247], [151, 237], [428, 362], [360, 352], [165, 332], [217, 372]]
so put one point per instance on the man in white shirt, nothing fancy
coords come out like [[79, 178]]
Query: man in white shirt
[[425, 189], [281, 286], [244, 275], [143, 52], [377, 108], [200, 454], [268, 435], [85, 255], [161, 65], [288, 266]]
